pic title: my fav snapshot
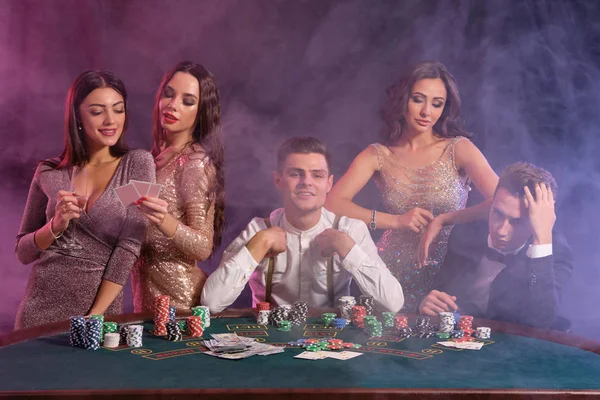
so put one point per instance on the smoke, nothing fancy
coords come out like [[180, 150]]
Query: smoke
[[528, 74]]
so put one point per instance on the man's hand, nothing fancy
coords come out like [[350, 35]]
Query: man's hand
[[267, 243], [436, 302], [541, 213], [331, 241]]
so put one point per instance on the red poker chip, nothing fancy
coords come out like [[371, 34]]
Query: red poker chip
[[334, 347], [347, 345]]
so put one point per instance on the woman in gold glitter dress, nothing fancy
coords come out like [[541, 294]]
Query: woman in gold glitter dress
[[423, 170], [187, 219]]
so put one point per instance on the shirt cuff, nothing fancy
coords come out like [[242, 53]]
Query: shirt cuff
[[539, 250], [355, 258]]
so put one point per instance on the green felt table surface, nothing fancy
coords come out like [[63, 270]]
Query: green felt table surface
[[505, 361]]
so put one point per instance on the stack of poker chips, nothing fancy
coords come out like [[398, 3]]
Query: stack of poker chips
[[182, 325], [345, 303], [109, 327], [278, 314], [100, 318], [204, 313], [134, 335], [161, 314], [172, 313], [174, 331], [328, 318], [339, 323], [457, 334], [400, 321], [93, 334], [388, 319], [358, 315], [424, 328], [77, 332], [284, 326], [447, 322], [373, 328], [465, 323], [483, 332], [123, 333], [367, 302], [194, 325], [111, 340], [299, 313], [263, 309]]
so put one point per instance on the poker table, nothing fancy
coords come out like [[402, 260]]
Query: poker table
[[516, 362]]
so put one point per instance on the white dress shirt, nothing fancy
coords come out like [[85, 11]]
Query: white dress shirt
[[488, 270], [300, 273]]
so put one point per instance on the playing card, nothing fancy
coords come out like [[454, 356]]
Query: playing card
[[311, 355], [342, 355], [141, 187], [154, 190], [127, 194]]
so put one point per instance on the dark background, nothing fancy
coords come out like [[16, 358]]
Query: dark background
[[528, 72]]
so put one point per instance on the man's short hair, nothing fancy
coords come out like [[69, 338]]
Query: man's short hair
[[516, 176], [302, 145]]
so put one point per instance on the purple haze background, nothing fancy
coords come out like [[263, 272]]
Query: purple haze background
[[528, 72]]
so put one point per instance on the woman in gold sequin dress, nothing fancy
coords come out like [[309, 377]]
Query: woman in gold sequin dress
[[423, 170], [187, 219]]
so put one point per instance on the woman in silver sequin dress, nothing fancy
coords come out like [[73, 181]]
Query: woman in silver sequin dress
[[187, 219], [423, 170], [81, 240]]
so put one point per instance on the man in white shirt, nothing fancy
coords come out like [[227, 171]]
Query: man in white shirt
[[301, 256], [515, 268]]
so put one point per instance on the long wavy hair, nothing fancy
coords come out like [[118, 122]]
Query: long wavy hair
[[75, 151], [207, 132], [449, 124]]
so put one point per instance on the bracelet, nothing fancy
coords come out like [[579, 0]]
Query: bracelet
[[373, 225], [56, 237]]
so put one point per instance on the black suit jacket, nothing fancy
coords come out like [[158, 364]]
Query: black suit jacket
[[527, 291]]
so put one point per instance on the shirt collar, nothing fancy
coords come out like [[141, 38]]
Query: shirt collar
[[511, 253], [288, 227]]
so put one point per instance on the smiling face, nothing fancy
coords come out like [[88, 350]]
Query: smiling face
[[425, 105], [178, 103], [304, 182], [508, 221], [102, 115]]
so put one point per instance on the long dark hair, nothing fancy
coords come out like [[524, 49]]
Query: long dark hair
[[207, 133], [75, 151], [449, 124]]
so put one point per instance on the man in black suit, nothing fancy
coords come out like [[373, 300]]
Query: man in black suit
[[515, 268]]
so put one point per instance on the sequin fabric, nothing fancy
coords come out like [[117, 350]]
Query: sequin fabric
[[167, 266], [437, 187], [64, 282]]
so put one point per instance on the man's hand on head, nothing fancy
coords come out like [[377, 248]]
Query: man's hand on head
[[541, 213], [267, 243], [331, 241], [436, 302]]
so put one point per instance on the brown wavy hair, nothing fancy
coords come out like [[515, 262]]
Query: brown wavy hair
[[75, 151], [449, 124], [207, 133]]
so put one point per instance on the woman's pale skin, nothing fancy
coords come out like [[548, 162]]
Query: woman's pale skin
[[102, 115], [178, 107], [418, 146]]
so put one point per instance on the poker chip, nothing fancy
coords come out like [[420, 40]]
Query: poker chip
[[424, 328], [405, 332], [160, 328], [345, 304], [388, 319], [173, 331], [483, 332], [334, 347], [358, 315], [134, 335], [194, 324], [373, 328], [100, 318], [182, 325], [109, 327], [284, 326], [161, 308], [312, 347], [123, 333], [77, 332], [457, 334], [302, 308], [465, 322], [339, 323], [279, 314], [93, 334], [263, 317], [204, 313], [400, 321], [328, 318], [172, 313], [368, 302], [111, 340], [443, 335], [447, 322], [263, 306], [296, 318]]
